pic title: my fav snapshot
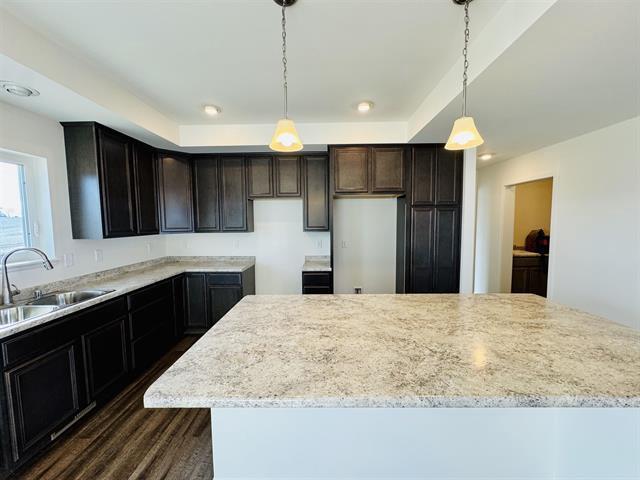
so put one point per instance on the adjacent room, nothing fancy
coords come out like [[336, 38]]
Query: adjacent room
[[337, 239]]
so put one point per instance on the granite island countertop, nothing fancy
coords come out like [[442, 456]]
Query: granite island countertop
[[498, 350], [123, 280]]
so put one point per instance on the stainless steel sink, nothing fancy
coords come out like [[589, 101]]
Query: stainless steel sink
[[19, 313], [68, 298]]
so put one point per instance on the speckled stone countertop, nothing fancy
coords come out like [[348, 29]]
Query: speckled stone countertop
[[405, 351], [318, 263], [123, 280]]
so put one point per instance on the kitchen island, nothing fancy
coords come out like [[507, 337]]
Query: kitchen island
[[413, 386]]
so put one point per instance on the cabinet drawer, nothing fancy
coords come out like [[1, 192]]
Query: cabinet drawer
[[33, 342], [316, 290], [316, 279], [149, 294], [147, 318], [224, 279]]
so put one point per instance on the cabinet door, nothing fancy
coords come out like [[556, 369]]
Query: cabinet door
[[179, 305], [351, 169], [222, 298], [207, 203], [316, 193], [387, 169], [260, 176], [448, 177], [43, 395], [288, 176], [234, 206], [447, 250], [146, 191], [105, 357], [116, 177], [174, 174], [196, 321], [422, 246], [423, 176]]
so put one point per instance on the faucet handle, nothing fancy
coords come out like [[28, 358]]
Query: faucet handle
[[14, 290]]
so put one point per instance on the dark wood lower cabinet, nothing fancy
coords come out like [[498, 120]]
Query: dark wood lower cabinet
[[529, 275], [105, 356], [55, 373], [42, 395], [210, 296], [317, 283]]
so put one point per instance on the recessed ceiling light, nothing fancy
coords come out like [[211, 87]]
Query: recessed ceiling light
[[19, 90], [212, 110], [486, 156], [364, 107]]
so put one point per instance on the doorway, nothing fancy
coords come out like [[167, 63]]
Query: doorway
[[531, 236]]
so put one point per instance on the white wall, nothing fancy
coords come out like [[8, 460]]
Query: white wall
[[595, 246], [278, 243], [365, 245], [25, 132]]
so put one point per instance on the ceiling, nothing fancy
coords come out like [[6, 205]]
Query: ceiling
[[178, 56], [542, 71], [576, 70]]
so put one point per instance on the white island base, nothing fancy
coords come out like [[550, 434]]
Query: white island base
[[427, 443]]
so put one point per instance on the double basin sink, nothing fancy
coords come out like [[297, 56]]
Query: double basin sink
[[46, 304]]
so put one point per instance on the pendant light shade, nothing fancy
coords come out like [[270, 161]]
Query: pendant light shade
[[286, 138], [464, 135]]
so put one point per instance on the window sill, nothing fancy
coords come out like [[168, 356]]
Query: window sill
[[29, 265]]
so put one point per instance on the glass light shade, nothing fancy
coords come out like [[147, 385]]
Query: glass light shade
[[286, 138], [464, 135]]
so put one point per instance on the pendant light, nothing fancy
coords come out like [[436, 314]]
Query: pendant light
[[285, 138], [464, 133]]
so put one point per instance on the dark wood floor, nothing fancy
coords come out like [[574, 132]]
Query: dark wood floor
[[123, 440]]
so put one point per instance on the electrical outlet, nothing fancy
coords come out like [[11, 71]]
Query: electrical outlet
[[343, 244], [319, 244], [97, 254], [236, 244], [357, 290], [148, 248], [68, 259]]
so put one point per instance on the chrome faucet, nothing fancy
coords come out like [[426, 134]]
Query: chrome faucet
[[8, 289]]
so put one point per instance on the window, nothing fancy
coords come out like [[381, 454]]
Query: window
[[14, 221]]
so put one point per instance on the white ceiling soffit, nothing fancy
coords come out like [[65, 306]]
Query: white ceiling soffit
[[574, 71], [340, 51]]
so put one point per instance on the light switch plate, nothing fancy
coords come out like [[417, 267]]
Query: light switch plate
[[97, 255]]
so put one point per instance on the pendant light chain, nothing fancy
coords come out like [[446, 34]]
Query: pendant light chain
[[284, 56], [466, 60]]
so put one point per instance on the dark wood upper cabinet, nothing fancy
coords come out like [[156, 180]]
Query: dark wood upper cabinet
[[206, 194], [316, 193], [116, 168], [237, 211], [287, 174], [351, 169], [423, 176], [449, 177], [387, 169], [144, 163], [100, 173], [174, 181], [260, 176]]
